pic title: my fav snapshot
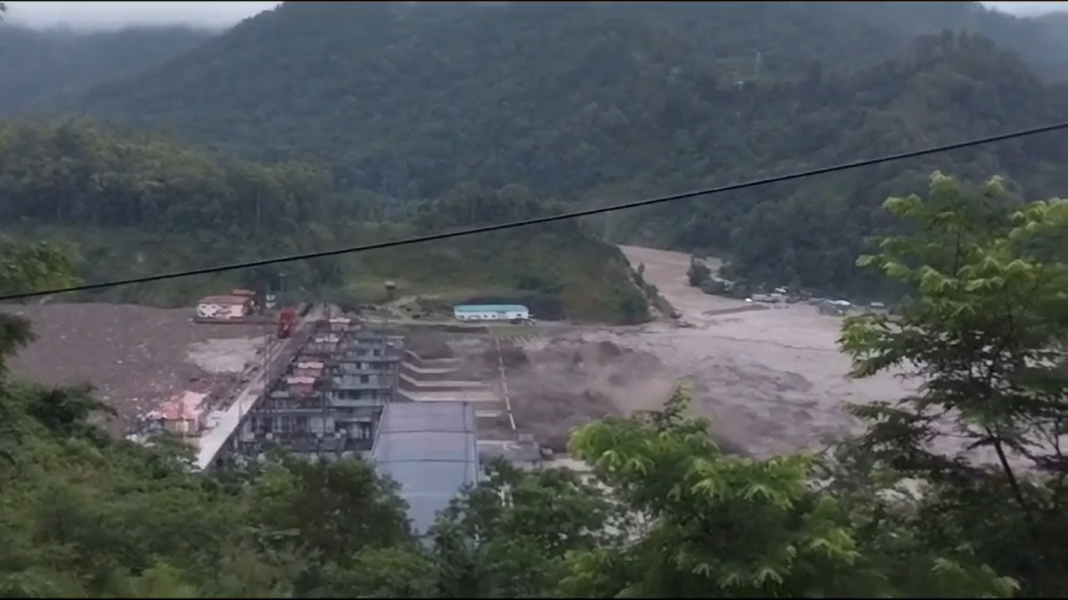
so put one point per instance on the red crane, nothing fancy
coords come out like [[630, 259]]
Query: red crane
[[286, 320]]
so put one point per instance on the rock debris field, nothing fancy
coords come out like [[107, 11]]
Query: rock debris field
[[134, 356]]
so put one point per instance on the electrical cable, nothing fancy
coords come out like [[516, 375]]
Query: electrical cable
[[546, 219]]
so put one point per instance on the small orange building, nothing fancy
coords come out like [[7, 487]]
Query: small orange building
[[183, 413]]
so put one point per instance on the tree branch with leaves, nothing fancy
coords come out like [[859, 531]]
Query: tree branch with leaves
[[985, 339]]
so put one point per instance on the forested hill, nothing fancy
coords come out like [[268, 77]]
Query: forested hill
[[410, 100], [595, 102], [948, 88], [1041, 40], [136, 204], [37, 65]]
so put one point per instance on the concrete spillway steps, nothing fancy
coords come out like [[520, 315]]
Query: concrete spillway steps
[[441, 384], [481, 397], [413, 359], [429, 371]]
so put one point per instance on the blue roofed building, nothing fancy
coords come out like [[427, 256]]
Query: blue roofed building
[[431, 450], [490, 312]]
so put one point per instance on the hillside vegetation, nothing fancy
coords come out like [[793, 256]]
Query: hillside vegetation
[[601, 102], [667, 513], [36, 66], [138, 204]]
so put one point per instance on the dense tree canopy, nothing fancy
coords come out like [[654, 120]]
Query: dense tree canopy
[[987, 338], [892, 513], [73, 173]]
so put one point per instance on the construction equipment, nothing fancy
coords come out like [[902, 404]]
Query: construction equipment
[[287, 319]]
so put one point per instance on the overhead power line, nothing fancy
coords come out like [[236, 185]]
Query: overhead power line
[[547, 219]]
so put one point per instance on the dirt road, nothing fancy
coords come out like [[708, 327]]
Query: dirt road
[[667, 271]]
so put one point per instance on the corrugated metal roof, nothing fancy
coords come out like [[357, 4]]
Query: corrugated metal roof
[[489, 308], [224, 299], [431, 450]]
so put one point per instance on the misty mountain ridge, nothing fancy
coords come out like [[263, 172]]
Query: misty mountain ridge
[[39, 64]]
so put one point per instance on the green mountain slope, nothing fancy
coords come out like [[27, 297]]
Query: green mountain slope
[[135, 205], [600, 102], [806, 233], [38, 65]]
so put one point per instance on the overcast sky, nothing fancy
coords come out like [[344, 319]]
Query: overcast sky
[[110, 15]]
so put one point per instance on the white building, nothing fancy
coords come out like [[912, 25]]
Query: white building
[[490, 312]]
